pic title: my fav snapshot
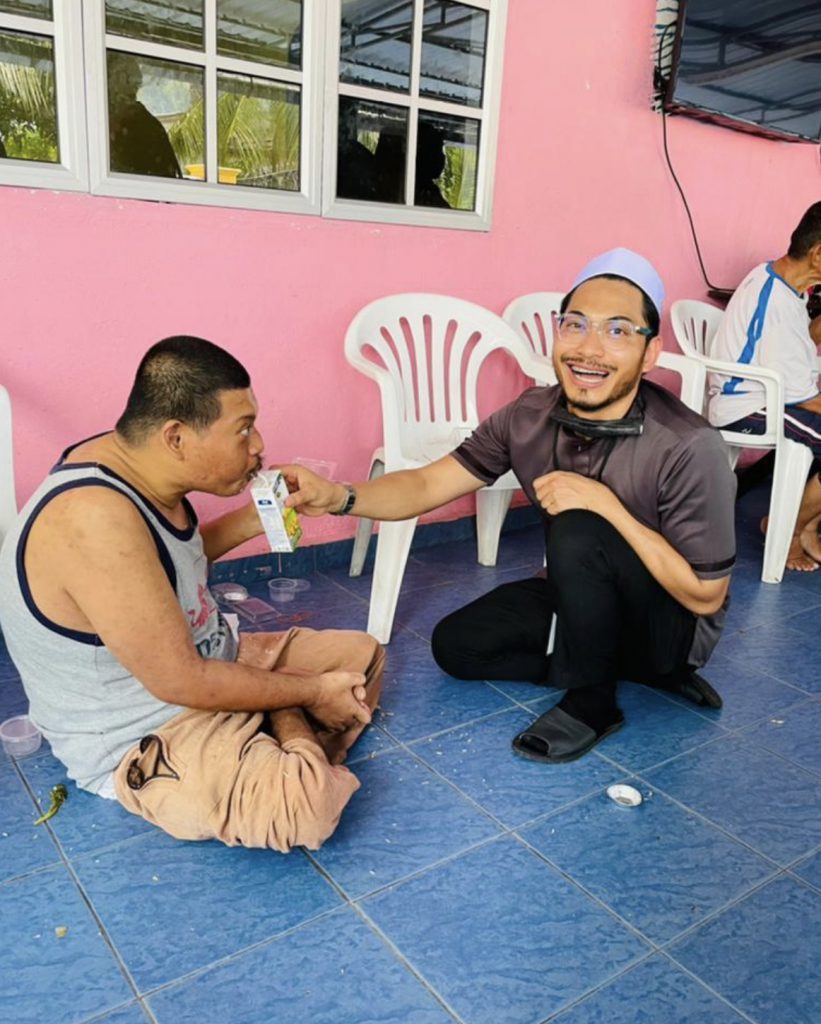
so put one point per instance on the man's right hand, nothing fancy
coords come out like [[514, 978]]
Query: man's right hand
[[311, 495], [340, 701]]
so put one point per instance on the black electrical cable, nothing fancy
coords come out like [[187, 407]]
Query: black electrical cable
[[661, 80]]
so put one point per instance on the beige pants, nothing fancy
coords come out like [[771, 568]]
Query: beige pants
[[220, 775]]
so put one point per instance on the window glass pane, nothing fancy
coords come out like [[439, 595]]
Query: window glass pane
[[446, 154], [175, 22], [32, 8], [373, 145], [375, 43], [155, 117], [28, 105], [265, 31], [453, 52], [258, 133]]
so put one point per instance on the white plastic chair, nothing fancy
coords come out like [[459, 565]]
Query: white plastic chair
[[695, 324], [425, 352], [531, 314], [8, 501]]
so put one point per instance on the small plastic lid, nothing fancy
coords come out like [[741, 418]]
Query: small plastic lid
[[230, 593], [623, 795]]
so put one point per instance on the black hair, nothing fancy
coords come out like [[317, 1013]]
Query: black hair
[[649, 311], [180, 378], [807, 234]]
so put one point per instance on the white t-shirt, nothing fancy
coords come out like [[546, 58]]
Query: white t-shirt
[[766, 324]]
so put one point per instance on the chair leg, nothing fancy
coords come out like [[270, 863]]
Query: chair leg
[[392, 547], [792, 465], [491, 509], [364, 529]]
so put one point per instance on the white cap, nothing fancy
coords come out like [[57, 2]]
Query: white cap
[[629, 265]]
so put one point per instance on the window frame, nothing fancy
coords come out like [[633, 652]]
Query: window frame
[[487, 115], [209, 192], [71, 173], [80, 47]]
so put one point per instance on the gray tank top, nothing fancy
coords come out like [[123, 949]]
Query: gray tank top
[[86, 704]]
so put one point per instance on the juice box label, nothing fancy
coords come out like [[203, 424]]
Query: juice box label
[[281, 524]]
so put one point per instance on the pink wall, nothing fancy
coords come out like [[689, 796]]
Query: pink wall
[[89, 283]]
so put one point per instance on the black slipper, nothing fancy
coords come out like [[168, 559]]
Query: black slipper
[[556, 737], [698, 690]]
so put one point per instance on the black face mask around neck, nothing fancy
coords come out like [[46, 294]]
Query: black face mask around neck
[[630, 426]]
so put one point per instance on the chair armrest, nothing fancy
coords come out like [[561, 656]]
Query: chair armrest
[[771, 379], [692, 374]]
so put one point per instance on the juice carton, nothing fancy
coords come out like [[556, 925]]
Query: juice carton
[[281, 524]]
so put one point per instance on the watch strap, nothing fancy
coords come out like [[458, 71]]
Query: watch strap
[[349, 502]]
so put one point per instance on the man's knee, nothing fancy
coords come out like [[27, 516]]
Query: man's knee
[[577, 541], [448, 647], [362, 653]]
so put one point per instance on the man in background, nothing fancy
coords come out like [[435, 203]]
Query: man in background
[[767, 324]]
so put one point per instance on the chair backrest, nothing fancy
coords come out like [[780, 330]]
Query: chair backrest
[[425, 352], [694, 325], [8, 500], [530, 315]]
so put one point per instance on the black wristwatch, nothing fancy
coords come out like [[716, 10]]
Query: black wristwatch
[[348, 503]]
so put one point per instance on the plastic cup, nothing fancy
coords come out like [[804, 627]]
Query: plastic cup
[[20, 736], [282, 589]]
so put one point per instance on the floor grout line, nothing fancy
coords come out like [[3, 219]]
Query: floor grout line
[[413, 748]]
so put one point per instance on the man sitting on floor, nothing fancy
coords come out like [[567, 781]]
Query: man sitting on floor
[[637, 495], [766, 324], [132, 673]]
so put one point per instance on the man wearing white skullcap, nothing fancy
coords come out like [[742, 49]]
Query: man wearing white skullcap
[[637, 498]]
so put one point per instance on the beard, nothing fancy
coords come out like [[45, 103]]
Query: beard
[[622, 390]]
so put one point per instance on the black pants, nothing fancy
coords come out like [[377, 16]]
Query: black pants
[[614, 621]]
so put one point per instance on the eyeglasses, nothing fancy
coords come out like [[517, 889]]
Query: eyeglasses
[[615, 331]]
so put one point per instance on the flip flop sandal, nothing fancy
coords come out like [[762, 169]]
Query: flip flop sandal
[[556, 737]]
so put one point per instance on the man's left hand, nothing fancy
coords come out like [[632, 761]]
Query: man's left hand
[[560, 491]]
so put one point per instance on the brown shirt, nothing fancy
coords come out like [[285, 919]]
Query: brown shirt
[[674, 477]]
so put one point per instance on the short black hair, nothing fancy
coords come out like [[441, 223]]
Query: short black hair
[[807, 234], [180, 378], [649, 311]]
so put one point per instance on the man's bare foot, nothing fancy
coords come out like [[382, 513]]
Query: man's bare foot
[[810, 541], [798, 559]]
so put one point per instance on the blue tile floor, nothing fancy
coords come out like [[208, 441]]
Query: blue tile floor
[[464, 884]]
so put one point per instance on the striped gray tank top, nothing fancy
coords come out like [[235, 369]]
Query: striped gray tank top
[[86, 704]]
